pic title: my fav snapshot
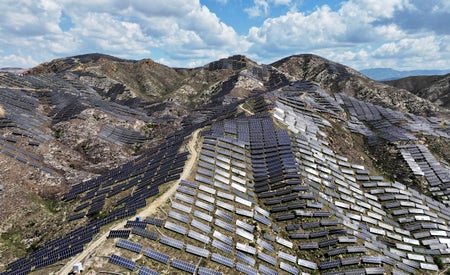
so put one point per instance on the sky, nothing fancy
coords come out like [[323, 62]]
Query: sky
[[399, 34]]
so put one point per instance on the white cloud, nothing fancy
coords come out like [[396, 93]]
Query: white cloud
[[348, 33], [282, 2], [424, 47], [124, 28], [259, 8], [361, 33], [18, 61]]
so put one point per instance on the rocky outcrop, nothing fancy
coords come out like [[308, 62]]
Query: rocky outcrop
[[337, 78], [434, 88]]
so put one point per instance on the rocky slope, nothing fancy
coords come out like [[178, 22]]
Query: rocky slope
[[336, 78], [120, 122], [433, 88]]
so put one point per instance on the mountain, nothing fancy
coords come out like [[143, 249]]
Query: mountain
[[338, 78], [384, 74], [234, 167], [435, 88]]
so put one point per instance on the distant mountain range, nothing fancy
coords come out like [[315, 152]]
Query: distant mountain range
[[391, 74]]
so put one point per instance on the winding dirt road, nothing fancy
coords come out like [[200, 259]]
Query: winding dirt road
[[192, 147]]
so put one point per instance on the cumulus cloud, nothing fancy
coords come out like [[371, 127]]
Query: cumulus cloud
[[424, 46], [259, 8], [360, 33], [124, 28], [19, 61], [400, 28]]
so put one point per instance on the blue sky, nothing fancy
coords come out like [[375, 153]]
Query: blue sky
[[400, 34]]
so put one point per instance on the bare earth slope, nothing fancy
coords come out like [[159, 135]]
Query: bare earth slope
[[434, 88], [304, 160], [335, 78]]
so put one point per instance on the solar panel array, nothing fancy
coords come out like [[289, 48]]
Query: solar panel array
[[264, 200], [388, 124], [355, 198], [122, 136], [421, 162], [123, 262], [144, 174]]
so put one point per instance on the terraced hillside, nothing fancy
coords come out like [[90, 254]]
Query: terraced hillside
[[272, 175]]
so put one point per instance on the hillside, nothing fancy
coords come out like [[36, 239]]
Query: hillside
[[303, 165], [435, 88], [337, 78]]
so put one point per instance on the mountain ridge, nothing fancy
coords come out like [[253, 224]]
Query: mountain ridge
[[161, 81], [295, 154], [435, 88]]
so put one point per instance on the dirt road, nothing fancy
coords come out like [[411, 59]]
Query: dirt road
[[149, 210]]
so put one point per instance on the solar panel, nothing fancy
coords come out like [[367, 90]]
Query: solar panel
[[203, 216], [202, 252], [208, 207], [178, 216], [246, 269], [188, 183], [287, 256], [224, 225], [261, 219], [221, 246], [199, 237], [288, 268], [157, 256], [146, 271], [246, 248], [206, 198], [182, 265], [246, 226], [284, 242], [141, 224], [307, 264], [181, 207], [224, 238], [268, 271], [199, 225], [145, 233], [124, 234], [77, 216], [265, 245], [222, 260], [205, 271], [267, 258], [243, 212], [225, 205], [175, 227], [241, 232], [245, 258], [187, 190], [129, 245], [171, 242], [225, 195], [329, 264], [123, 262], [224, 215]]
